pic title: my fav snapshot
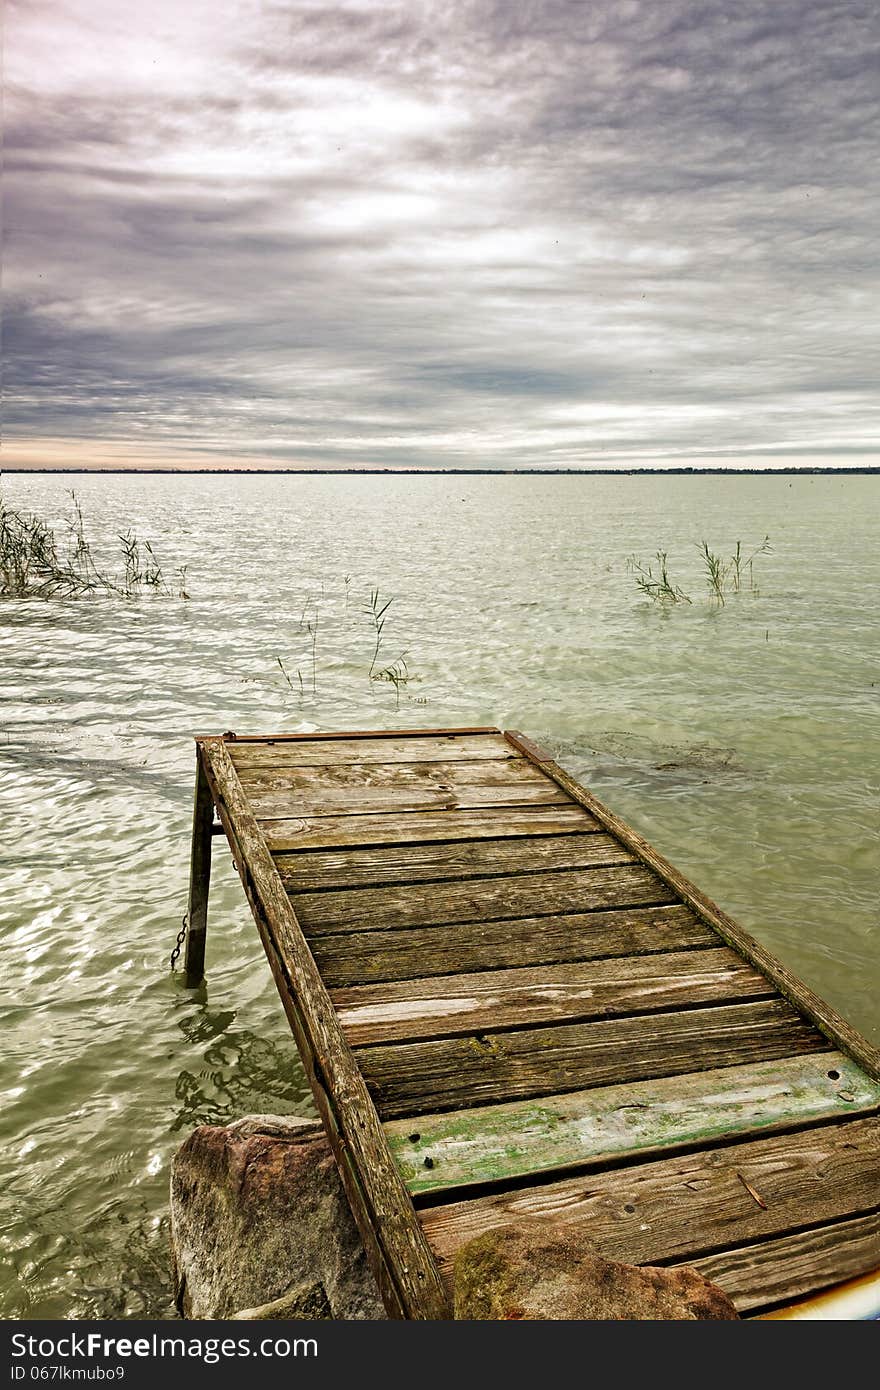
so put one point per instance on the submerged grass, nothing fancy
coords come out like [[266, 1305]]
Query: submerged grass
[[376, 611], [722, 576], [35, 563], [715, 571], [38, 562], [659, 586], [396, 674]]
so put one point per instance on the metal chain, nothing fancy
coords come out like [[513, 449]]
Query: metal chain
[[181, 937]]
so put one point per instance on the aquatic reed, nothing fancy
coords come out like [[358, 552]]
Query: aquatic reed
[[376, 613], [722, 576], [335, 622], [35, 564], [397, 674], [31, 565], [739, 565], [658, 587], [715, 570], [312, 629], [140, 569], [283, 670]]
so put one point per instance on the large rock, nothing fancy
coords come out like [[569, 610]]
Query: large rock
[[261, 1228], [550, 1271]]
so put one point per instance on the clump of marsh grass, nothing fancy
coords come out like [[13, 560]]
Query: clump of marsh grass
[[728, 575], [722, 576], [658, 587], [141, 565], [35, 564]]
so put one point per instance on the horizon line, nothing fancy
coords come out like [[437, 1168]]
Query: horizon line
[[453, 472]]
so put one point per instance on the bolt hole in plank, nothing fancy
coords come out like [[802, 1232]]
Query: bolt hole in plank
[[510, 1005]]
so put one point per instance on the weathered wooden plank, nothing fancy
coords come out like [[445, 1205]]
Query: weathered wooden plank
[[675, 1209], [502, 1142], [233, 740], [413, 905], [364, 868], [456, 1073], [462, 1004], [795, 1266], [399, 1257], [448, 777], [449, 748], [835, 1028], [199, 878], [348, 958], [414, 827], [363, 801]]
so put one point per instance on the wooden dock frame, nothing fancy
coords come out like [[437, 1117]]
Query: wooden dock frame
[[405, 1247]]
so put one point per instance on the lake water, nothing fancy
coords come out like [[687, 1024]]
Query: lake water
[[743, 740]]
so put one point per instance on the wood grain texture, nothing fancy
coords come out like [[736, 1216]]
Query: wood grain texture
[[399, 777], [479, 899], [456, 1073], [491, 999], [676, 1209], [398, 1254], [268, 804], [364, 868], [835, 1028], [414, 827], [795, 1266], [496, 1143], [232, 741], [351, 958], [321, 752]]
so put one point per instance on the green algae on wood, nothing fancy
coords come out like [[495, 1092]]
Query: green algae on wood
[[507, 1141]]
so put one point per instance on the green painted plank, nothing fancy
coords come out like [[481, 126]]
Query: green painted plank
[[436, 1152], [679, 1207]]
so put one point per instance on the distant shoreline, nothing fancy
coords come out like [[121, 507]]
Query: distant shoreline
[[452, 472]]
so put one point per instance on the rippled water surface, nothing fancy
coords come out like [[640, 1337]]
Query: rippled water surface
[[742, 740]]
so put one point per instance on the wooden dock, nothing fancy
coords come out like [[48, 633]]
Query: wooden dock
[[509, 1005]]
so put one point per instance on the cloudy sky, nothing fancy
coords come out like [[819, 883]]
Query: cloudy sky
[[441, 233]]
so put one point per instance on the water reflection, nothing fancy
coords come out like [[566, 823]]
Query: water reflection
[[116, 1264], [243, 1072]]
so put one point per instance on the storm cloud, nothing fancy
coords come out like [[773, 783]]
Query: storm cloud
[[502, 234]]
